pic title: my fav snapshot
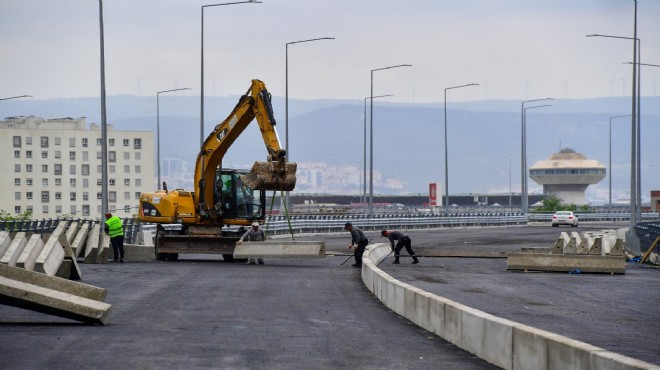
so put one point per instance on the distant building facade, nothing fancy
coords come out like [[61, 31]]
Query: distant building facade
[[52, 167], [567, 175]]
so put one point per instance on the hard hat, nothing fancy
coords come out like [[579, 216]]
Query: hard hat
[[108, 214], [255, 223]]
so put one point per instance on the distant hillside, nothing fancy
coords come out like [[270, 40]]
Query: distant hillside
[[408, 139]]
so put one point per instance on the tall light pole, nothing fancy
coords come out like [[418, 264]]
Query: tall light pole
[[201, 113], [524, 157], [104, 127], [158, 126], [364, 152], [286, 96], [447, 151], [17, 97], [523, 154], [509, 158], [610, 160], [371, 137]]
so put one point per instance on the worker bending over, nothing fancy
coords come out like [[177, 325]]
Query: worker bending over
[[255, 234], [402, 241]]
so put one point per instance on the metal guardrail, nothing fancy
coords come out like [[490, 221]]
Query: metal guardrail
[[131, 226], [596, 216]]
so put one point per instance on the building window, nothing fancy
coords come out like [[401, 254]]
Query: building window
[[111, 142], [84, 170], [28, 168], [17, 168], [127, 142], [99, 169], [58, 195], [45, 196], [99, 182], [58, 209], [99, 155], [17, 195], [138, 156], [85, 183], [72, 183], [58, 181], [112, 182], [73, 210], [17, 181], [137, 195], [111, 168], [17, 209], [58, 169], [58, 154], [127, 169], [57, 140], [85, 196], [84, 142], [28, 182], [72, 142], [44, 209], [85, 210], [98, 142], [127, 182], [28, 195], [17, 154], [127, 195], [138, 182], [112, 196], [44, 182], [127, 209], [28, 154], [112, 156], [99, 195], [17, 141], [127, 155], [72, 156], [28, 140], [72, 169], [138, 169], [44, 154], [72, 196], [137, 143], [85, 156], [44, 141], [28, 209], [44, 168]]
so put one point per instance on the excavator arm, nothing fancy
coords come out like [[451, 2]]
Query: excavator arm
[[274, 174]]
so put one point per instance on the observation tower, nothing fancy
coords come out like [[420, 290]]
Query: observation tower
[[567, 174]]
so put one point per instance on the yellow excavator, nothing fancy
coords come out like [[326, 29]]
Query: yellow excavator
[[193, 222]]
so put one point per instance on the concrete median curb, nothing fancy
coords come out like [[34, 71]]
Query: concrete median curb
[[501, 342]]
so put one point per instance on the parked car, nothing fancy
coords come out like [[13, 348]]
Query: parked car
[[564, 218]]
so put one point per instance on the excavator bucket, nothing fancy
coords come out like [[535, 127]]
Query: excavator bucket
[[271, 176]]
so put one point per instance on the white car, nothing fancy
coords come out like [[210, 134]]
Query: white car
[[564, 218]]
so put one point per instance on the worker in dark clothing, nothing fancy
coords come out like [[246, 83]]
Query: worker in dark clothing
[[114, 228], [357, 238], [402, 240]]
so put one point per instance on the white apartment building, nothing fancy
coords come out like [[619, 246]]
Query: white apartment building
[[52, 167]]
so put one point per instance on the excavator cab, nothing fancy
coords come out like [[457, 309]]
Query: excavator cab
[[236, 200]]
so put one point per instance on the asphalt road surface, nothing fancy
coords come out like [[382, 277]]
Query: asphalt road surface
[[200, 312]]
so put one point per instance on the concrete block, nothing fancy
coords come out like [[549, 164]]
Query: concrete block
[[71, 232], [422, 309], [41, 299], [65, 269], [597, 248], [30, 253], [399, 298], [92, 245], [472, 330], [583, 246], [280, 249], [615, 361], [15, 249], [437, 316], [498, 342], [78, 243], [104, 253], [139, 253], [452, 324], [569, 354], [147, 238], [60, 233], [571, 246], [50, 258], [5, 241], [555, 262], [617, 248], [530, 348]]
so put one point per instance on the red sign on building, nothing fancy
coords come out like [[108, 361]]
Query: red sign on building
[[433, 194]]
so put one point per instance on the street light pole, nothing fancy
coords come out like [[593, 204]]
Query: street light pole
[[201, 114], [17, 97], [104, 126], [364, 151], [524, 160], [446, 150], [610, 160], [158, 126], [286, 97], [509, 158], [523, 154], [371, 137]]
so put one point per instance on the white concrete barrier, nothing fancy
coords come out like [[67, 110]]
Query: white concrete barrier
[[501, 342]]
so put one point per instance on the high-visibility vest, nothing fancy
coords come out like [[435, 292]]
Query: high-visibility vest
[[114, 226]]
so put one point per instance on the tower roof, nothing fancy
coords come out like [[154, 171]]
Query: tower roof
[[567, 158]]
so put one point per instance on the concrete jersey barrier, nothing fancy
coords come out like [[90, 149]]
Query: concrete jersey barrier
[[499, 341]]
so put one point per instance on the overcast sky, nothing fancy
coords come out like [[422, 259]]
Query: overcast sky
[[515, 49]]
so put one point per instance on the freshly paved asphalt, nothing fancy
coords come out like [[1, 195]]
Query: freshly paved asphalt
[[200, 312]]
